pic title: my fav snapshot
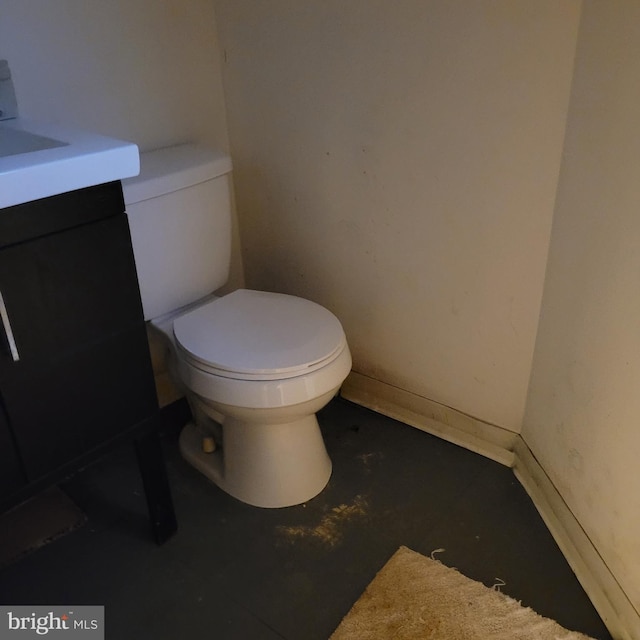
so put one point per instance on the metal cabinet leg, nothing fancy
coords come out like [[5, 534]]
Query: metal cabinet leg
[[156, 486]]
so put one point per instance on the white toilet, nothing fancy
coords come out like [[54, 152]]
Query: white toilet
[[255, 366]]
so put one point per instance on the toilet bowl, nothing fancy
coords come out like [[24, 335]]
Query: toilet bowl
[[259, 403], [255, 366]]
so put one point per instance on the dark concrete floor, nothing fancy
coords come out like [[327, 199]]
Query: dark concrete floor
[[239, 572]]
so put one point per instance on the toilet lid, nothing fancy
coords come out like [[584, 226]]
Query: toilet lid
[[255, 333]]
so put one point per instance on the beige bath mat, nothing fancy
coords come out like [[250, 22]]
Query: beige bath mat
[[413, 598]]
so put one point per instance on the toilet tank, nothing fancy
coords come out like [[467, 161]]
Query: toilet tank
[[179, 214]]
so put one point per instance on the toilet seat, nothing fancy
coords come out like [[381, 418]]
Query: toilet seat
[[257, 335]]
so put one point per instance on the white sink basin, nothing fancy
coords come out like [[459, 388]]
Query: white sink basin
[[16, 141], [41, 160]]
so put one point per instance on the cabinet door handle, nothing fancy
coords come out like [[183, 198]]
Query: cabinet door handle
[[8, 331]]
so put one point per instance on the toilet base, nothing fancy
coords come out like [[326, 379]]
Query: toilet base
[[264, 465]]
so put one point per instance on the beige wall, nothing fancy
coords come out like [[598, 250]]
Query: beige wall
[[143, 70], [583, 413], [397, 162]]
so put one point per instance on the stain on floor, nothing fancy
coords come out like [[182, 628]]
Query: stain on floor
[[329, 529]]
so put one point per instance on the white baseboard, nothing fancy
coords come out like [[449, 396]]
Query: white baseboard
[[434, 418], [616, 610], [508, 448]]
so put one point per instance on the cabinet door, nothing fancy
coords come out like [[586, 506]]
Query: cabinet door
[[12, 476], [83, 372]]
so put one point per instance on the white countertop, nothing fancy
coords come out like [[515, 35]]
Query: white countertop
[[40, 160]]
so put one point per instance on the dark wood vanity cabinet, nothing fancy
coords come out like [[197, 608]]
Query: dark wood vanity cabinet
[[79, 373], [12, 476]]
